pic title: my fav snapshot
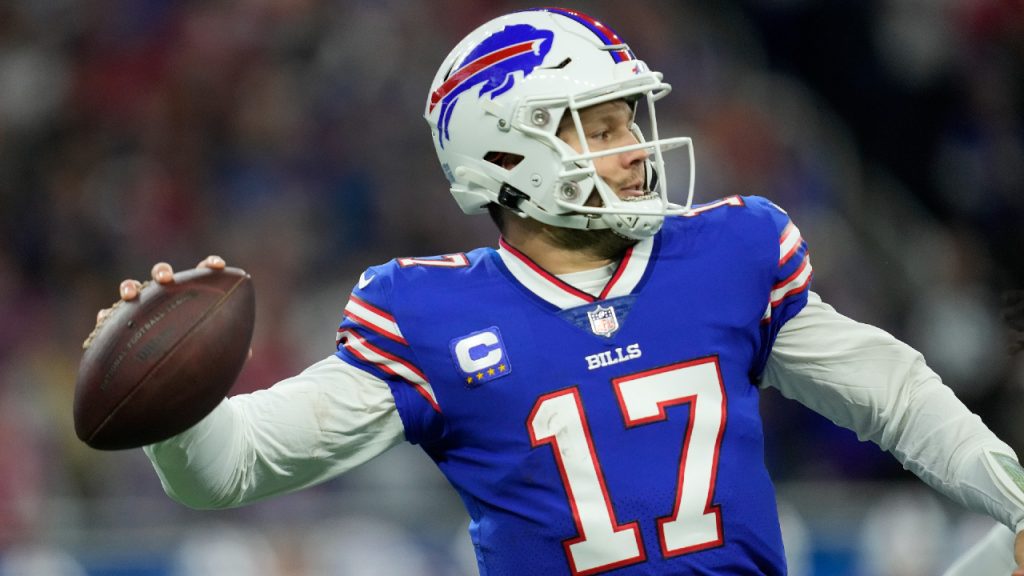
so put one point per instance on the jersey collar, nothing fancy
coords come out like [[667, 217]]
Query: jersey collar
[[558, 293]]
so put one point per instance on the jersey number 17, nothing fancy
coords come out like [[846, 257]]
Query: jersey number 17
[[695, 523]]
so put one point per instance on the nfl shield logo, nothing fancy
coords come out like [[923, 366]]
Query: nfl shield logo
[[603, 321]]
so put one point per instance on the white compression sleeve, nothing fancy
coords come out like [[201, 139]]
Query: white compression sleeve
[[864, 379], [301, 431]]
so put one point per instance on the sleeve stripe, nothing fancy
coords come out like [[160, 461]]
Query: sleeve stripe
[[389, 363], [374, 318], [795, 283], [789, 243]]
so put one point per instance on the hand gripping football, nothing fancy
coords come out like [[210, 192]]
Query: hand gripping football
[[161, 362]]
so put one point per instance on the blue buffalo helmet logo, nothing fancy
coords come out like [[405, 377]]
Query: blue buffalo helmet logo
[[492, 64]]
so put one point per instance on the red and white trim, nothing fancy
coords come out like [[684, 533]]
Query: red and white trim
[[796, 282], [458, 260], [789, 243], [553, 290], [630, 271], [728, 201], [389, 363], [608, 36], [373, 318]]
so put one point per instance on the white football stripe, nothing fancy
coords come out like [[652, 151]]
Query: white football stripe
[[374, 320], [367, 352], [789, 242], [794, 283]]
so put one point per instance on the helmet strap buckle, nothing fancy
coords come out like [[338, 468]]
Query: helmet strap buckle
[[510, 197]]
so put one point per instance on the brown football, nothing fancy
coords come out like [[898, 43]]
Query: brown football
[[163, 361]]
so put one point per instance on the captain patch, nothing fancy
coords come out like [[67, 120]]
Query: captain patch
[[481, 356]]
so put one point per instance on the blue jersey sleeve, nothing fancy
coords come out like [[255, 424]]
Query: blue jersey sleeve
[[791, 274], [370, 338]]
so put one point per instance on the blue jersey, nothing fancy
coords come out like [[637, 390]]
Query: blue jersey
[[616, 433]]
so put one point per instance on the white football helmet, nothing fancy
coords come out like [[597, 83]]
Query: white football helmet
[[505, 88]]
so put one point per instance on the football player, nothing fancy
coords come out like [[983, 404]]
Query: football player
[[589, 387]]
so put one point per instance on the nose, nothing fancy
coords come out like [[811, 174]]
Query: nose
[[633, 157]]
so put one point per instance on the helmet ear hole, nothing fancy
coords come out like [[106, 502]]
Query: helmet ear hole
[[506, 160]]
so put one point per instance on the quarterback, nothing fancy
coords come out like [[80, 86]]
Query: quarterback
[[590, 385]]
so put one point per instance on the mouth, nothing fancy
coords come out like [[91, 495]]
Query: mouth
[[633, 191], [641, 198]]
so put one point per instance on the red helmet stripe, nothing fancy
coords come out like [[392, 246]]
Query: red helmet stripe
[[602, 31], [485, 61]]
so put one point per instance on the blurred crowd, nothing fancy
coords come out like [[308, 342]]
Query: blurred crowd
[[287, 136]]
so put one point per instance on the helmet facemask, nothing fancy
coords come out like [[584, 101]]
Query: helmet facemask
[[633, 217]]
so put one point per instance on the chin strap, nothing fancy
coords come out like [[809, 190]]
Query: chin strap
[[651, 176], [510, 197], [634, 227]]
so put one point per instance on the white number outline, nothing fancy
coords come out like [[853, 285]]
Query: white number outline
[[447, 261], [695, 524], [602, 543]]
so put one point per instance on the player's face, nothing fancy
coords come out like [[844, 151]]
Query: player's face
[[607, 126]]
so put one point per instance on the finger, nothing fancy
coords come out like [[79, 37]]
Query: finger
[[129, 289], [212, 262], [163, 273]]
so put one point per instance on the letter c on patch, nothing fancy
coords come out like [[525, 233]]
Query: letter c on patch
[[477, 352]]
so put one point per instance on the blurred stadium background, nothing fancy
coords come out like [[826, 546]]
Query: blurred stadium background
[[287, 136]]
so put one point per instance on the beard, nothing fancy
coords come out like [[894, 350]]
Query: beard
[[601, 244]]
